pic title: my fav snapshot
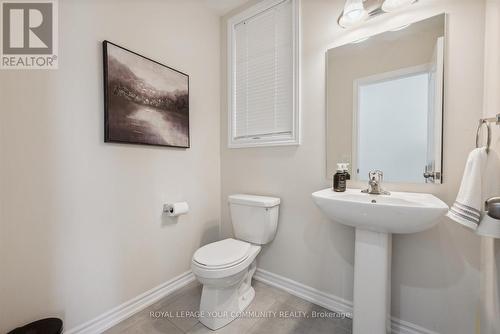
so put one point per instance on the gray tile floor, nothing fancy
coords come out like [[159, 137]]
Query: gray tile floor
[[182, 304]]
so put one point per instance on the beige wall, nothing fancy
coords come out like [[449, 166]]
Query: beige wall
[[81, 229], [492, 66], [435, 279]]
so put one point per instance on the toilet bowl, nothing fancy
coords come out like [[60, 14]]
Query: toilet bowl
[[225, 268]]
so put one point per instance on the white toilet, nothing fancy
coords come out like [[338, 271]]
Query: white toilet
[[225, 268]]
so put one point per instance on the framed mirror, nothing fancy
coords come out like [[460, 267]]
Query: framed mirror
[[385, 104]]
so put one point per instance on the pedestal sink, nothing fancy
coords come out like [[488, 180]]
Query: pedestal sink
[[375, 218]]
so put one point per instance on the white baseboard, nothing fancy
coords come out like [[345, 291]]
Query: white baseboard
[[326, 300], [399, 326], [329, 301], [129, 308]]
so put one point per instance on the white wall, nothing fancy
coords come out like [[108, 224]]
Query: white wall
[[490, 257], [435, 279], [81, 229]]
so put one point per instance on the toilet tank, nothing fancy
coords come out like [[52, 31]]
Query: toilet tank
[[254, 218]]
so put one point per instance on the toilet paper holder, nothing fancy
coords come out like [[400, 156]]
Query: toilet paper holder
[[492, 207], [176, 209]]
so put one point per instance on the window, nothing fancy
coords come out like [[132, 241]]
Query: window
[[263, 75], [390, 109]]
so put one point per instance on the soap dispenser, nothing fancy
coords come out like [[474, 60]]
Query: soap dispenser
[[339, 179]]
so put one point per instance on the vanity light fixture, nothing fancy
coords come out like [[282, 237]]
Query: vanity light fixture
[[353, 14], [356, 12]]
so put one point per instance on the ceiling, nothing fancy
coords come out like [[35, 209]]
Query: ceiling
[[223, 7]]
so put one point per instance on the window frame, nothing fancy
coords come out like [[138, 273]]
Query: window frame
[[272, 140]]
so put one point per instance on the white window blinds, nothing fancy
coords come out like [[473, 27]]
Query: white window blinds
[[263, 75]]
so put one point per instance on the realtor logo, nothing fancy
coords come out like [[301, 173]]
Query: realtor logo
[[29, 34]]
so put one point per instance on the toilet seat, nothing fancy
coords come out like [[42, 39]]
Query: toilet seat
[[223, 258], [222, 254]]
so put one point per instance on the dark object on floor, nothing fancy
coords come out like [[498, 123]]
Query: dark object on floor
[[44, 326]]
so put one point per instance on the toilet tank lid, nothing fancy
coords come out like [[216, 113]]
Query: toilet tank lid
[[254, 200]]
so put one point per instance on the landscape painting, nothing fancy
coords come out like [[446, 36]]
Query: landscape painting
[[145, 102]]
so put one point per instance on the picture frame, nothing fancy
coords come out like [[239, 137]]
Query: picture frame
[[145, 102]]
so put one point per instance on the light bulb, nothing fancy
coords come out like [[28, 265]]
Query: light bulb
[[354, 13]]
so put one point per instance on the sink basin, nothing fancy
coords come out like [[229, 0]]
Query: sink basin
[[375, 218], [399, 212]]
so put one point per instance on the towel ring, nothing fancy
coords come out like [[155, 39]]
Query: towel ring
[[488, 140]]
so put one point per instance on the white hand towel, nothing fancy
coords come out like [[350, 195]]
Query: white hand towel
[[468, 206]]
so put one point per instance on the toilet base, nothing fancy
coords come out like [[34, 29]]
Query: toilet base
[[221, 305]]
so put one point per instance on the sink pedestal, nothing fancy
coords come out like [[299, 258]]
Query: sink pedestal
[[372, 282]]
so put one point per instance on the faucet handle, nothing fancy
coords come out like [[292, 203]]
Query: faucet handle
[[376, 175], [374, 183]]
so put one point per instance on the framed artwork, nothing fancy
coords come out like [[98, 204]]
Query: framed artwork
[[145, 102]]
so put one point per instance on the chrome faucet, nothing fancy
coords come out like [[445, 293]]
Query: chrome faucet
[[375, 178]]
